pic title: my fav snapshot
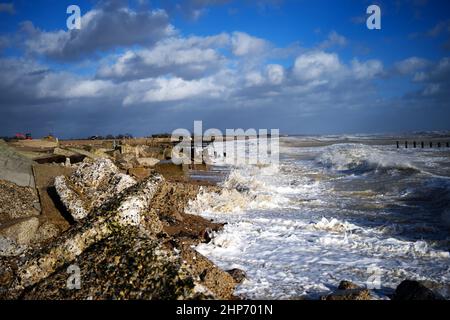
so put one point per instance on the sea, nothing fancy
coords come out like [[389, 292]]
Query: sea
[[348, 207]]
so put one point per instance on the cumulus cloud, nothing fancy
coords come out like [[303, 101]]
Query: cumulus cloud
[[171, 89], [411, 65], [244, 44], [334, 40], [366, 70], [315, 65], [188, 58], [102, 29]]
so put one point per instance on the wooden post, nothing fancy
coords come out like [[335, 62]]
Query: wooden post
[[398, 145], [422, 145], [448, 146], [415, 144], [406, 144], [439, 144], [431, 144]]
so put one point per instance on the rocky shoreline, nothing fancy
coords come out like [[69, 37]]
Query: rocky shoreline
[[117, 217]]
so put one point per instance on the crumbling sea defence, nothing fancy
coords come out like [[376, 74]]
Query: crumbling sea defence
[[128, 239]]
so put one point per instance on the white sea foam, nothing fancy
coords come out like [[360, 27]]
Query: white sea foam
[[289, 229]]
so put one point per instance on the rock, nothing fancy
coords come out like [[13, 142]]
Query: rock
[[350, 294], [14, 167], [53, 211], [219, 282], [346, 285], [414, 290], [128, 209], [91, 186], [64, 152], [6, 274], [46, 231], [127, 265], [206, 235], [17, 202], [87, 154], [147, 162], [8, 248], [238, 275], [22, 231], [139, 173]]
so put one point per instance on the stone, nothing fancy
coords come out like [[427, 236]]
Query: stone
[[9, 248], [17, 202], [126, 210], [414, 290], [127, 265], [346, 285], [90, 186], [139, 173], [238, 275], [14, 167], [350, 294], [22, 231], [147, 162], [45, 232], [64, 152]]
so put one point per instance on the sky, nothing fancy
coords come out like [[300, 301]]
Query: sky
[[145, 67]]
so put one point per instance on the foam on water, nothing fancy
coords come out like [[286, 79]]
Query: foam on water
[[300, 227]]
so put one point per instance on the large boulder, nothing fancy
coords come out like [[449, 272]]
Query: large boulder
[[127, 209], [348, 291], [22, 231], [90, 186], [127, 265], [17, 202], [414, 290], [15, 167]]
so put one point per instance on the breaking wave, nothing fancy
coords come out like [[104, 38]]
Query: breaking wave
[[358, 159]]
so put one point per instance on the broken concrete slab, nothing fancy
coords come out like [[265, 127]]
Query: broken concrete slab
[[109, 267], [22, 231], [139, 173], [15, 167], [90, 186], [9, 248], [147, 162], [17, 202], [53, 210], [129, 209]]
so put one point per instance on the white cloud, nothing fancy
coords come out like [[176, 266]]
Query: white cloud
[[366, 70], [314, 65], [101, 30], [172, 89], [334, 39], [275, 73], [411, 65], [243, 44], [188, 58]]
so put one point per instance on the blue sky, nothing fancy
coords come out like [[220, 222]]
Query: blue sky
[[153, 66]]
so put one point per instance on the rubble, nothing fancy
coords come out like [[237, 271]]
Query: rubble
[[90, 186], [127, 265], [415, 290], [348, 291], [14, 167], [22, 231], [17, 202]]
